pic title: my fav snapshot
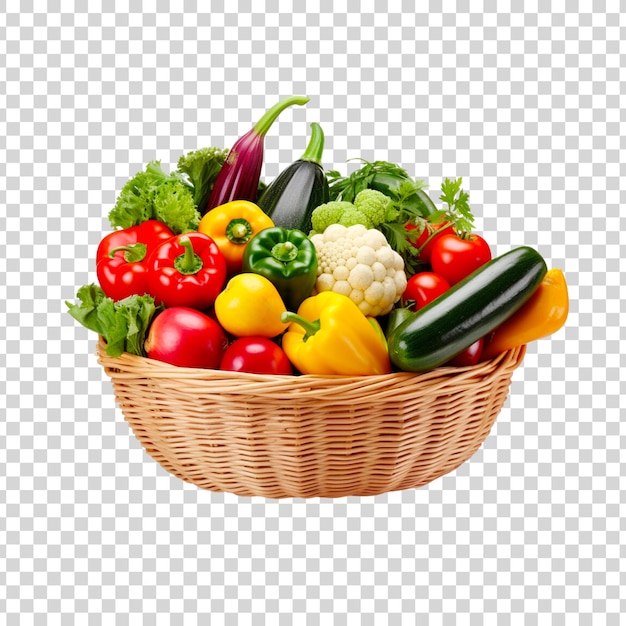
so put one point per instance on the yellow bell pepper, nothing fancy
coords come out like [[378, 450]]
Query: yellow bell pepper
[[330, 335], [542, 315], [249, 306], [231, 226]]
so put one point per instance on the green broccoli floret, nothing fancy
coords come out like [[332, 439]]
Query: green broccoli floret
[[352, 216], [202, 167], [326, 214], [374, 205], [371, 208]]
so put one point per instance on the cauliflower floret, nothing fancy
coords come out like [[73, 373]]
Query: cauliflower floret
[[386, 256], [359, 263], [375, 239]]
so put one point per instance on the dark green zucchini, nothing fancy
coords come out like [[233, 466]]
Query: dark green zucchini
[[291, 197], [467, 311]]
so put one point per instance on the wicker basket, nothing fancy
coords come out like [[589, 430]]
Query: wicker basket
[[309, 436]]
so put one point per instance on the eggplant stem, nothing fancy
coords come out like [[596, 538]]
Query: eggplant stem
[[314, 150], [269, 117]]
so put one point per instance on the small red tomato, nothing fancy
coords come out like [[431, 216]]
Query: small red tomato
[[470, 356], [429, 234], [255, 355], [455, 257], [186, 337], [423, 288]]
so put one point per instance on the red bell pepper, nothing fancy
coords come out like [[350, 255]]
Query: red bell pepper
[[122, 258], [187, 270]]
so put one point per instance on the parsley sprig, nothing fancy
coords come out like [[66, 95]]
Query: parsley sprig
[[458, 211]]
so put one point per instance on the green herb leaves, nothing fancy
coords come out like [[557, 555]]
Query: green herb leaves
[[458, 211]]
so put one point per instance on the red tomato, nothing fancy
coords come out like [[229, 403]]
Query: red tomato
[[454, 257], [255, 355], [424, 287], [187, 338], [429, 235], [470, 356]]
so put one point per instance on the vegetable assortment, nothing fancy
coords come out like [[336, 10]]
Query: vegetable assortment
[[316, 273]]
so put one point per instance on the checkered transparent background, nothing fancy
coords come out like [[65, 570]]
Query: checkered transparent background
[[526, 104]]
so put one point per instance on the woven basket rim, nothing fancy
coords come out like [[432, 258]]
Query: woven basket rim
[[159, 369]]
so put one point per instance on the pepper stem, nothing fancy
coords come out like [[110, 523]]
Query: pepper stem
[[188, 262], [284, 251], [133, 252], [310, 327], [314, 150], [239, 230], [269, 117]]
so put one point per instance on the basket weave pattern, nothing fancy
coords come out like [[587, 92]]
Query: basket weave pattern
[[309, 436]]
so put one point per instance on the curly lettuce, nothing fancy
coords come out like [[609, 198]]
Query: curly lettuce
[[176, 199], [154, 194], [201, 168]]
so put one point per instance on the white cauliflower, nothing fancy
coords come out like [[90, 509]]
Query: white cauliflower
[[359, 263]]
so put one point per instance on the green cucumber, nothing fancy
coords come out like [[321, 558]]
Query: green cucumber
[[467, 311]]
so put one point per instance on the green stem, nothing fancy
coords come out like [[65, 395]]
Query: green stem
[[188, 262], [133, 252], [436, 231], [269, 117], [239, 230], [284, 251], [314, 150], [310, 328]]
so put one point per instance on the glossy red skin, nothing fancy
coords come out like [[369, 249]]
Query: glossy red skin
[[198, 291], [423, 288], [186, 337], [455, 258], [256, 355], [470, 356], [118, 277], [436, 230]]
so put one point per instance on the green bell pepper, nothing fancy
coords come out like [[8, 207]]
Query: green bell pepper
[[287, 258]]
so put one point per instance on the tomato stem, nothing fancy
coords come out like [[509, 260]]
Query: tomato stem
[[433, 232]]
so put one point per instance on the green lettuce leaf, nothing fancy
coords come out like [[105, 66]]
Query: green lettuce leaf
[[123, 325]]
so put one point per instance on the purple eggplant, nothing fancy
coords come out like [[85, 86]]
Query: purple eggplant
[[239, 177]]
